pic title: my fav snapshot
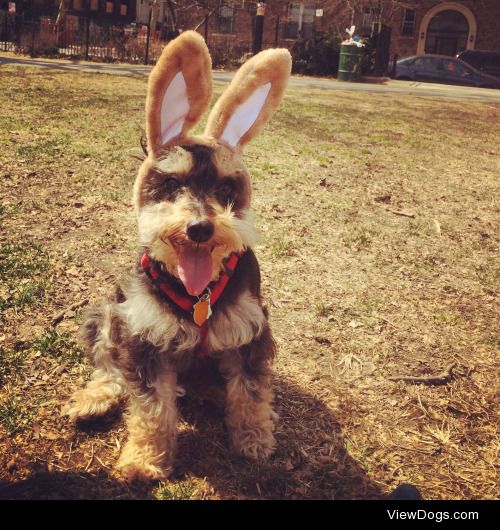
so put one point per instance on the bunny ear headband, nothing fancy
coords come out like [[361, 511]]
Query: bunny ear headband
[[180, 89]]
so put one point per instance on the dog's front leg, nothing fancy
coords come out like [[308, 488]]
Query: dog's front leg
[[249, 415], [151, 422]]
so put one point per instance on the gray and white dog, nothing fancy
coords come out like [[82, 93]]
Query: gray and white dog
[[195, 296]]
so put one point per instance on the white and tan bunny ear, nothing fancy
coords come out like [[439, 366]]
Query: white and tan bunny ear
[[179, 90], [252, 97]]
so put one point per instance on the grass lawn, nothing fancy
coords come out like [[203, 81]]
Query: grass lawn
[[379, 222]]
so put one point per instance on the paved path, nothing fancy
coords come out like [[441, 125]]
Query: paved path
[[391, 87]]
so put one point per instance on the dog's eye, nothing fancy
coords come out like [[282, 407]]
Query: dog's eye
[[225, 192], [171, 185]]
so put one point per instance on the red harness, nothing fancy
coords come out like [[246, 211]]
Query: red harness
[[187, 302]]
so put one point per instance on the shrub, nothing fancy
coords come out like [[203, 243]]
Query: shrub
[[317, 55], [228, 53]]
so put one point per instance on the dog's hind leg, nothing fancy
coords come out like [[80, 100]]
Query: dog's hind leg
[[249, 414], [107, 386]]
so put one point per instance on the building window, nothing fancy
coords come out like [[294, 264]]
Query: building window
[[109, 7], [300, 21], [225, 17], [78, 5], [408, 23], [123, 9], [94, 5], [370, 16]]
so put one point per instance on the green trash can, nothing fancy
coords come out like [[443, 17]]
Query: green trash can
[[351, 57]]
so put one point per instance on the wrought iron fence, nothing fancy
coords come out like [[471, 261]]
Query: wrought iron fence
[[78, 38], [7, 32], [84, 38]]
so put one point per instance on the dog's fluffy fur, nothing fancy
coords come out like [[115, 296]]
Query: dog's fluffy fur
[[140, 342]]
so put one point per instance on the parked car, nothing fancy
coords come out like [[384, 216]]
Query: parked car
[[442, 69], [484, 61]]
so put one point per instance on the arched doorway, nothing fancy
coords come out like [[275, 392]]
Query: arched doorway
[[447, 29], [447, 33]]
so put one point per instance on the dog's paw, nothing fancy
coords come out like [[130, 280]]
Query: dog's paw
[[141, 472], [254, 441], [137, 465], [84, 405]]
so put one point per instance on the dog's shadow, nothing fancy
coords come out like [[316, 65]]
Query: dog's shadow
[[311, 460]]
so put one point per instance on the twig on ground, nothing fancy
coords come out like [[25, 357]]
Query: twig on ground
[[101, 462], [60, 316], [439, 379], [390, 323], [402, 213], [59, 467], [89, 463], [60, 368], [57, 318]]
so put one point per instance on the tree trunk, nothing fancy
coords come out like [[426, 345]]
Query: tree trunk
[[173, 15], [61, 12], [155, 11]]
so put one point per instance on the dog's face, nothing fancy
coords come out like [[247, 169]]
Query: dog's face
[[194, 209], [192, 195]]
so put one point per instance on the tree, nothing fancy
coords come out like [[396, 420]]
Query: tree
[[61, 12], [177, 9], [349, 11], [59, 25], [154, 14]]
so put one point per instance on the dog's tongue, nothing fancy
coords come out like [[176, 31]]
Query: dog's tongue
[[195, 269]]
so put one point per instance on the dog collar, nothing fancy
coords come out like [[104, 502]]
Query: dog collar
[[200, 307]]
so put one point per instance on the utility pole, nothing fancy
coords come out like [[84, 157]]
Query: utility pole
[[259, 27]]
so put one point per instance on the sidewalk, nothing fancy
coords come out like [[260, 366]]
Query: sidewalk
[[391, 86]]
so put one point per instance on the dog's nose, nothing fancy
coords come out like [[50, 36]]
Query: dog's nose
[[200, 231]]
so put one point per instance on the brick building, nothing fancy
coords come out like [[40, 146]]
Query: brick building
[[28, 8], [418, 26], [107, 11], [440, 26], [228, 25], [110, 11]]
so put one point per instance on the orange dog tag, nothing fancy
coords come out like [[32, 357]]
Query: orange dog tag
[[202, 310]]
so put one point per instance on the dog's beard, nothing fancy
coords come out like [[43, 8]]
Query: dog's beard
[[162, 232]]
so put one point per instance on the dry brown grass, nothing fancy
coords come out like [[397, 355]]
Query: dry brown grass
[[357, 293]]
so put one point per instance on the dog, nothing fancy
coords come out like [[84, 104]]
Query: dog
[[194, 298]]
